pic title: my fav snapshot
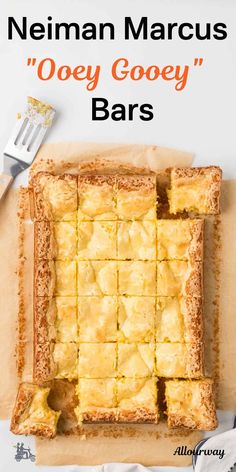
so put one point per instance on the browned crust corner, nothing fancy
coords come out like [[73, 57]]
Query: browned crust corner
[[138, 415], [40, 210], [192, 172], [24, 397], [207, 411], [37, 200], [23, 400]]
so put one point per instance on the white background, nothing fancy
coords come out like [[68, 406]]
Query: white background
[[199, 119]]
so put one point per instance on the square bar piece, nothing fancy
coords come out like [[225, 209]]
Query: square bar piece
[[135, 360], [55, 197], [179, 319], [97, 400], [97, 240], [137, 240], [179, 360], [136, 316], [66, 239], [65, 358], [179, 278], [136, 197], [97, 319], [190, 404], [65, 278], [170, 323], [55, 360], [55, 240], [97, 360], [55, 319], [66, 319], [31, 414], [55, 278], [195, 190], [97, 278], [137, 400], [137, 278], [180, 239], [97, 197]]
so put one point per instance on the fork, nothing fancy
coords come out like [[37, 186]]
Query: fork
[[25, 141]]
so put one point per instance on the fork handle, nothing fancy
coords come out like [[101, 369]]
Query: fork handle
[[5, 182]]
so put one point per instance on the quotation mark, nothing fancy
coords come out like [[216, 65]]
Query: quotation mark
[[198, 61], [31, 61]]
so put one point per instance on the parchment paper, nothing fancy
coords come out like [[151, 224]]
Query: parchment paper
[[227, 319], [145, 444], [8, 301], [127, 444], [79, 156]]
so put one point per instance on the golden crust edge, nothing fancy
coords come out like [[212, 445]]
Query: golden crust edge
[[193, 319], [197, 241], [183, 421], [39, 210], [43, 364], [215, 186], [42, 306], [195, 362], [138, 415], [44, 241], [194, 283], [24, 396], [44, 276], [119, 415], [136, 183], [85, 180]]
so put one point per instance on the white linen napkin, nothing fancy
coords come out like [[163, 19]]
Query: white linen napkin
[[218, 453]]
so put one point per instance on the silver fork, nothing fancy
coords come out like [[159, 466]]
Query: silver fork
[[25, 141]]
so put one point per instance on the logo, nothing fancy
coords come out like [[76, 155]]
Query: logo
[[185, 451], [23, 453]]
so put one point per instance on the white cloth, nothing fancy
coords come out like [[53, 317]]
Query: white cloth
[[226, 443], [118, 467]]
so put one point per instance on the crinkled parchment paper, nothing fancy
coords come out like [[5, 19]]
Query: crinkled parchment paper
[[94, 444]]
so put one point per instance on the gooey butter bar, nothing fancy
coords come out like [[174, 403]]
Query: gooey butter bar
[[114, 275], [93, 355], [118, 294]]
